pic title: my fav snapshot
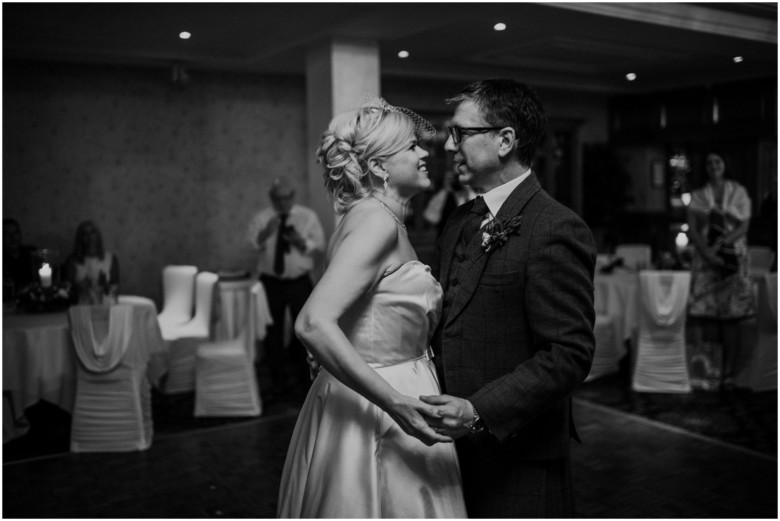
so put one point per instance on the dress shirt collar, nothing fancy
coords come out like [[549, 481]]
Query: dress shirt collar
[[496, 197]]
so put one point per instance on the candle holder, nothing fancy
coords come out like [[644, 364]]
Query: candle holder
[[48, 293], [47, 267]]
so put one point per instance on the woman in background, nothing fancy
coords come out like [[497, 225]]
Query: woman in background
[[721, 291], [361, 446], [93, 271]]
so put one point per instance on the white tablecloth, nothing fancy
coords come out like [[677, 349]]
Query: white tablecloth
[[39, 362], [621, 299], [231, 309]]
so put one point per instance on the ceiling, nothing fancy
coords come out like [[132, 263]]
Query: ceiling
[[576, 46]]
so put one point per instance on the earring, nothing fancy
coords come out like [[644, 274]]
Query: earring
[[386, 177]]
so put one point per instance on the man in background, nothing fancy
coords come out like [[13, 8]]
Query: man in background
[[287, 237]]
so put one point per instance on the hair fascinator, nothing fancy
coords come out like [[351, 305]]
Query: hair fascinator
[[422, 127]]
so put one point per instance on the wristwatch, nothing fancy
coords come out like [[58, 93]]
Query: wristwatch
[[477, 425]]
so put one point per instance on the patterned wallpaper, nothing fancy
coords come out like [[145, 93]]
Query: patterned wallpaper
[[170, 174]]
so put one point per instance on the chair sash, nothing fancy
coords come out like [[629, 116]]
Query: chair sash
[[666, 295], [101, 356]]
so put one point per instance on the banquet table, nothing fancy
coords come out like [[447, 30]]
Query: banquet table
[[618, 296], [230, 309], [39, 362]]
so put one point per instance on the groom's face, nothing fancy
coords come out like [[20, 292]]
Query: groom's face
[[476, 156]]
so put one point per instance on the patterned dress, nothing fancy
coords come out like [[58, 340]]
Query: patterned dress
[[722, 293]]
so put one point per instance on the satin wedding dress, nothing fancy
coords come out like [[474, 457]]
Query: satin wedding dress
[[347, 457]]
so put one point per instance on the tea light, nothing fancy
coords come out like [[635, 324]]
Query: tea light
[[45, 274]]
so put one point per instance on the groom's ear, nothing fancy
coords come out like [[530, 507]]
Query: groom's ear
[[508, 143]]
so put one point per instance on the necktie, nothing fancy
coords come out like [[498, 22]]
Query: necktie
[[281, 246], [475, 218]]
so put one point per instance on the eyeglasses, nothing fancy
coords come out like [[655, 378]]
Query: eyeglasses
[[457, 133]]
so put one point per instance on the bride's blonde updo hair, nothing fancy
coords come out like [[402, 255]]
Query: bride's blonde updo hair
[[374, 131]]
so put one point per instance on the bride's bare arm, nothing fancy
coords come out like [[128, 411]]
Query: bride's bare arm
[[357, 264]]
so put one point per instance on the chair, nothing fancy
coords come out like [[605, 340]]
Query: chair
[[184, 339], [661, 362], [757, 369], [610, 348], [635, 256], [760, 259], [112, 410], [225, 378], [178, 290]]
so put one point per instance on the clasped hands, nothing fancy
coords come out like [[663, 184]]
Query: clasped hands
[[431, 419]]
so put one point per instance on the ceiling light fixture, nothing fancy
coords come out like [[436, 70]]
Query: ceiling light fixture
[[499, 26], [185, 35], [403, 54], [737, 59], [630, 76]]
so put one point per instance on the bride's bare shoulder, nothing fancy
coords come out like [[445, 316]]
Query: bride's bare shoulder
[[365, 226]]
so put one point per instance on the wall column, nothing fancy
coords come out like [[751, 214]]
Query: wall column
[[338, 74]]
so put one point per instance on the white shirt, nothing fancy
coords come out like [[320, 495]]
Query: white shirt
[[296, 263], [495, 198]]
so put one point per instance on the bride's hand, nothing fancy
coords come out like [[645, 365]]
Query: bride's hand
[[409, 414], [314, 365]]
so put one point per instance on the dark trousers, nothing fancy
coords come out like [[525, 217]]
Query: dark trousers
[[497, 485], [288, 366]]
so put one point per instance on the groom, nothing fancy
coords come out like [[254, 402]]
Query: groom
[[516, 335]]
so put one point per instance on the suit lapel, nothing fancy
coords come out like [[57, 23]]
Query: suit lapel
[[462, 293]]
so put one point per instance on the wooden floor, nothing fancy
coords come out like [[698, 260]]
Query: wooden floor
[[627, 467]]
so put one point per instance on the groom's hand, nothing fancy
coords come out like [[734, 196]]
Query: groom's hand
[[454, 418], [412, 416]]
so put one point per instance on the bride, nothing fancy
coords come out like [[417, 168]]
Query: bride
[[361, 446]]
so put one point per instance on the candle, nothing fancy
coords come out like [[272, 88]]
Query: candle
[[45, 274]]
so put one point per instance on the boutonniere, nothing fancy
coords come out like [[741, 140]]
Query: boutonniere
[[497, 232]]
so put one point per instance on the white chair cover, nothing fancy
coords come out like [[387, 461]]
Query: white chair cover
[[183, 340], [610, 348], [116, 321], [113, 403], [178, 291], [226, 382], [635, 256], [757, 369], [661, 362]]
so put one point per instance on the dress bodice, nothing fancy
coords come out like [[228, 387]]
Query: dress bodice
[[394, 321]]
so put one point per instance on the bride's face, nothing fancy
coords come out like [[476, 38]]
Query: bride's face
[[407, 170]]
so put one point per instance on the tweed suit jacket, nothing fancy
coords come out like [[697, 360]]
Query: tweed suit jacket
[[516, 334]]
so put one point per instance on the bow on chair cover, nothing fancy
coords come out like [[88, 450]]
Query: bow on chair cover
[[101, 356]]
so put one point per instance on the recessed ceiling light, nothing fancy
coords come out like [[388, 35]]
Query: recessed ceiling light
[[630, 76], [499, 26], [403, 54], [737, 59], [184, 35]]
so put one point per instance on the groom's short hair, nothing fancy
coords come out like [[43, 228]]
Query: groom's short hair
[[509, 103]]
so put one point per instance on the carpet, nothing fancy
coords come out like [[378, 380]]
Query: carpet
[[737, 416]]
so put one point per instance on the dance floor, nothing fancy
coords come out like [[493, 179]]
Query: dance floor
[[635, 462]]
